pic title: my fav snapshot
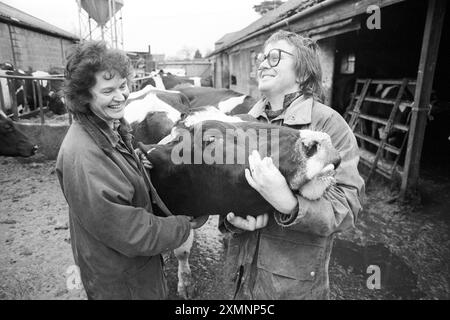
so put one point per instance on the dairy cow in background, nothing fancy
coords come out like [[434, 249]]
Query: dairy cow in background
[[165, 81], [226, 100], [12, 141]]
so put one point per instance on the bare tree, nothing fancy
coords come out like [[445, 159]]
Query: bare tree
[[197, 54], [267, 6]]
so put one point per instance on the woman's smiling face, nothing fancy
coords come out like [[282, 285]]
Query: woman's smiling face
[[282, 78], [109, 95]]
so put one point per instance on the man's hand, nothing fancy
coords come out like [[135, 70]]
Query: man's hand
[[265, 178], [250, 223]]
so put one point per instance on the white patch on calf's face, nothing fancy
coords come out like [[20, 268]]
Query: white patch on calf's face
[[313, 167], [137, 110], [210, 113], [231, 103]]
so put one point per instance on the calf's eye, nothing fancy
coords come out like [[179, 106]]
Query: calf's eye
[[311, 149]]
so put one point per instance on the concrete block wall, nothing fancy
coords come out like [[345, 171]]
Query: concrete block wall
[[5, 44], [34, 50]]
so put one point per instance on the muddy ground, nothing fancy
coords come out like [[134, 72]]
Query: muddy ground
[[409, 243]]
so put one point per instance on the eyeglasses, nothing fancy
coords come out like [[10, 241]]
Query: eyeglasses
[[273, 57]]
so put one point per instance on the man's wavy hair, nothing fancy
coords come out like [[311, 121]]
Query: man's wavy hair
[[83, 62], [307, 63]]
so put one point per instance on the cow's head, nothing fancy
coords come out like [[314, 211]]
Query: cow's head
[[12, 141], [200, 169]]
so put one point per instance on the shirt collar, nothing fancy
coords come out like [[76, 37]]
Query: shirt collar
[[297, 112]]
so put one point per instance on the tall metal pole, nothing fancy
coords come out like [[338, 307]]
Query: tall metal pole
[[79, 18], [121, 28], [115, 23], [111, 21]]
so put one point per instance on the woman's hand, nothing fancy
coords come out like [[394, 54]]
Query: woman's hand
[[250, 223], [198, 222], [265, 178], [145, 162]]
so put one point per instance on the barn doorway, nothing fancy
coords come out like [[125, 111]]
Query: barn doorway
[[393, 52]]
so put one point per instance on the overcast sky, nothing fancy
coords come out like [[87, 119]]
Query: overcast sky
[[166, 25]]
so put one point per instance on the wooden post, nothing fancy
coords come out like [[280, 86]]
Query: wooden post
[[430, 49]]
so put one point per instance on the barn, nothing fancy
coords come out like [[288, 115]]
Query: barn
[[377, 41], [30, 43]]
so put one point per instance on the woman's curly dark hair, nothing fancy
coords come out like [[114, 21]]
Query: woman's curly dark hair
[[83, 62]]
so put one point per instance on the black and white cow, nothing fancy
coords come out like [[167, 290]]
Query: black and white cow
[[226, 100], [165, 81]]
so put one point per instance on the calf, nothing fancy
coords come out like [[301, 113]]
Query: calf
[[200, 170], [12, 141]]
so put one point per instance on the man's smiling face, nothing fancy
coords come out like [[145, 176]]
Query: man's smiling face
[[280, 79]]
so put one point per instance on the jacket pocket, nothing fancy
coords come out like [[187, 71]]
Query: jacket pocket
[[289, 258], [287, 269], [148, 282]]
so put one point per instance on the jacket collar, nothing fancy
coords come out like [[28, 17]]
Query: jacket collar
[[298, 113], [105, 137]]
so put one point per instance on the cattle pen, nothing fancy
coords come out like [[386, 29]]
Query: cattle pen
[[37, 95]]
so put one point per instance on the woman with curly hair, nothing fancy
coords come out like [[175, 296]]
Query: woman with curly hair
[[117, 241]]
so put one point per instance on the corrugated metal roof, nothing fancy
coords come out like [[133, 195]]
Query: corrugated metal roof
[[19, 17], [286, 10]]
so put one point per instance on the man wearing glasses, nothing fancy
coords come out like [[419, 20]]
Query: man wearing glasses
[[285, 254]]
